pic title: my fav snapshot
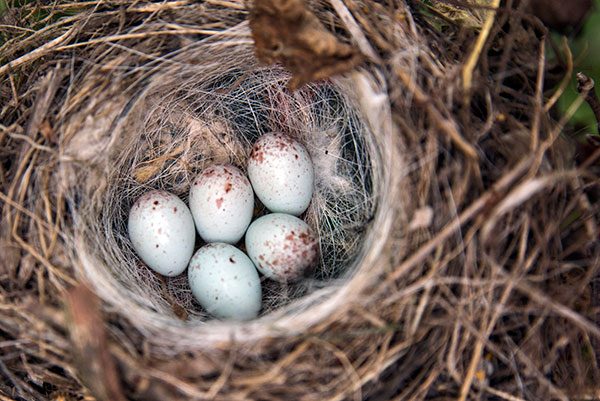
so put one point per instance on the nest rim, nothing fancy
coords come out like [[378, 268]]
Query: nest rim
[[307, 311]]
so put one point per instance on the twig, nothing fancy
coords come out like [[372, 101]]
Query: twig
[[236, 5], [39, 52], [13, 380], [444, 124], [31, 142], [88, 4], [353, 375], [585, 86], [7, 374], [539, 87], [143, 35], [501, 394], [566, 79], [489, 323], [13, 88], [467, 72], [468, 214], [18, 28], [559, 309]]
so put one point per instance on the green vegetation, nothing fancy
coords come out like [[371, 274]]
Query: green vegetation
[[586, 55]]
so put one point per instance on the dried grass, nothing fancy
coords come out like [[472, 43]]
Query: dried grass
[[472, 281]]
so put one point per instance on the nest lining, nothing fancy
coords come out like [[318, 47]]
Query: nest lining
[[209, 109]]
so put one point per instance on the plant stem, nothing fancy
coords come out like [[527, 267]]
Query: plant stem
[[585, 86]]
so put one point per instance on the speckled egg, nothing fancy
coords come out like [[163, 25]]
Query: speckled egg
[[161, 230], [225, 282], [222, 203], [281, 173], [282, 247]]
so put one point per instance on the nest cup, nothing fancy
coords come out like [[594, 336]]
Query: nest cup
[[206, 105]]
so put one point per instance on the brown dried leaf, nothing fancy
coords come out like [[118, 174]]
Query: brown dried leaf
[[469, 15], [147, 171], [94, 362], [286, 31]]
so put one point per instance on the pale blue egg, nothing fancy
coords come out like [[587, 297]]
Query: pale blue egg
[[281, 173], [282, 247], [161, 230], [225, 282], [222, 203]]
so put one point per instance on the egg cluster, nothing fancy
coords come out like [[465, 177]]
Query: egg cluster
[[280, 245]]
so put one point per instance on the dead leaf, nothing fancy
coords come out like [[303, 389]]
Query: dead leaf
[[94, 362], [152, 167], [286, 31], [471, 14]]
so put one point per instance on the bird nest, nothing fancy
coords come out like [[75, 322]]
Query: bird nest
[[209, 107], [455, 226]]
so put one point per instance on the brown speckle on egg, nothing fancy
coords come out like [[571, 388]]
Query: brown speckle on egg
[[258, 154], [306, 238]]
